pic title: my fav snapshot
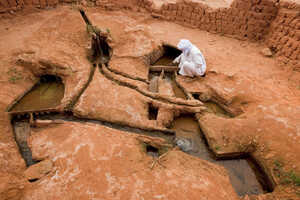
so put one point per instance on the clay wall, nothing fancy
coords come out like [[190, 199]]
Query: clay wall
[[284, 36], [244, 19], [275, 21], [14, 5]]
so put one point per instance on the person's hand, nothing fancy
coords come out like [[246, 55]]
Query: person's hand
[[177, 60]]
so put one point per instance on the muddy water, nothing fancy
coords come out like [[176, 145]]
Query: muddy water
[[216, 109], [22, 133], [165, 60], [46, 94], [242, 175], [177, 91], [153, 86]]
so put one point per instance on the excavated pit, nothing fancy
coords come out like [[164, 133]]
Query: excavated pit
[[152, 151], [152, 112], [21, 129], [246, 176], [169, 54], [168, 76], [45, 94], [164, 64], [214, 107]]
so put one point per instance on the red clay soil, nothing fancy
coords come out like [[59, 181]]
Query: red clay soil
[[89, 161]]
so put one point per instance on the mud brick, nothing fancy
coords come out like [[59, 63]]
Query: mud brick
[[196, 10], [4, 4], [43, 3], [180, 7], [268, 9], [190, 9], [20, 4], [12, 3], [185, 8], [268, 3], [173, 6], [179, 13], [173, 13], [194, 23], [36, 2], [268, 17], [193, 16], [149, 3], [213, 16], [245, 5], [263, 23], [28, 2]]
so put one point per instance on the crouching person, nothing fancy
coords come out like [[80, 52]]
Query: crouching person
[[191, 61]]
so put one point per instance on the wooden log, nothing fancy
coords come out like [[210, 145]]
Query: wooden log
[[158, 68]]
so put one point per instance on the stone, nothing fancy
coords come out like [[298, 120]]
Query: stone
[[266, 52], [38, 170]]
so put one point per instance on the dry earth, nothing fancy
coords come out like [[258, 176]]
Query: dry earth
[[92, 161]]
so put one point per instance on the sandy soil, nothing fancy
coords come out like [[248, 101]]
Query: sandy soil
[[94, 162]]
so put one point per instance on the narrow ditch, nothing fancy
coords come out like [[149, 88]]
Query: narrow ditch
[[72, 103], [213, 107], [21, 127], [246, 176], [21, 130], [165, 63]]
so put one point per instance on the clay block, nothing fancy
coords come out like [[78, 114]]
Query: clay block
[[43, 3], [4, 4], [20, 4], [180, 7], [12, 3], [28, 2], [35, 2], [179, 13]]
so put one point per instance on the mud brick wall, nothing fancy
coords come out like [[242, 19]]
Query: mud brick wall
[[244, 19], [14, 5], [284, 36]]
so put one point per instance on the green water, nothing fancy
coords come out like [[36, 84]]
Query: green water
[[42, 96]]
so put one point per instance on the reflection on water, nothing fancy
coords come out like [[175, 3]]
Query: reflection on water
[[241, 172]]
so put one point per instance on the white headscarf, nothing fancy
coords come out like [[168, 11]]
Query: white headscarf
[[185, 46]]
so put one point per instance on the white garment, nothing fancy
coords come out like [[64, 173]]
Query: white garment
[[192, 62]]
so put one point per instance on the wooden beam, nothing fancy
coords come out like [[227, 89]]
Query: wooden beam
[[158, 68]]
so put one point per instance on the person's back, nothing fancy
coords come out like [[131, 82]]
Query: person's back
[[192, 62]]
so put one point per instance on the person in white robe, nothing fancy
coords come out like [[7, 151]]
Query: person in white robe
[[191, 61]]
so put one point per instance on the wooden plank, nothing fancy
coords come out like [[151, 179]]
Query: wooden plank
[[158, 68]]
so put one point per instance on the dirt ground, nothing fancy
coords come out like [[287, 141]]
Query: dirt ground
[[92, 161]]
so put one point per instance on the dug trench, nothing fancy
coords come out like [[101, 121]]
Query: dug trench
[[245, 175]]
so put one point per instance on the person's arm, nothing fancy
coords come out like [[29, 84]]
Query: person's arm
[[177, 60]]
